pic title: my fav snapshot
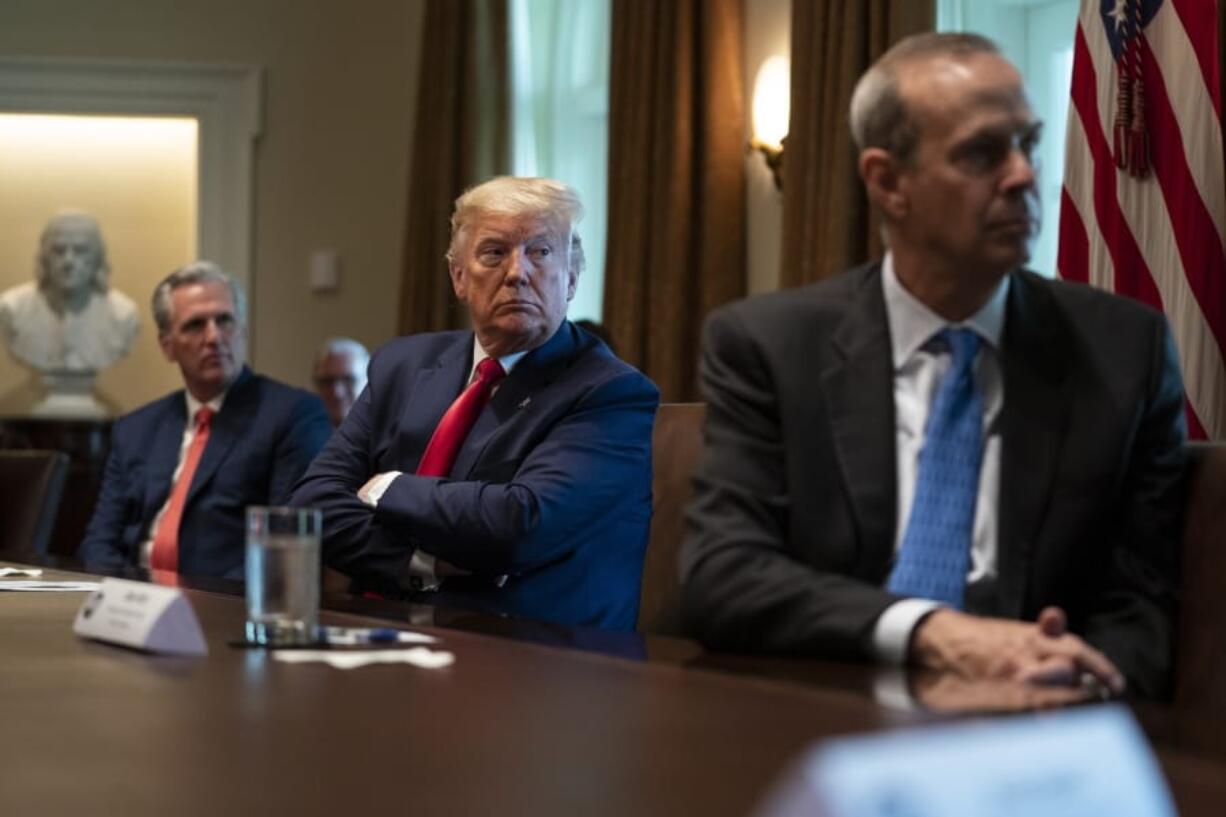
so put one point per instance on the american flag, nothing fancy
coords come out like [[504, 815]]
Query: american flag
[[1143, 210]]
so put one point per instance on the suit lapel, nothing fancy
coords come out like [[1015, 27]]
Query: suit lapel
[[1033, 423], [536, 370], [231, 423], [858, 388], [434, 389], [166, 440]]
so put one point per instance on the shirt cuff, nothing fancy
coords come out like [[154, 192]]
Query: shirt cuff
[[892, 632], [421, 572], [892, 689], [375, 487]]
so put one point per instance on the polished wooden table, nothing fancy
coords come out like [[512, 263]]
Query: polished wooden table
[[513, 727]]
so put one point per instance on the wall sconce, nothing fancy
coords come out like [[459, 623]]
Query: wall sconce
[[771, 106]]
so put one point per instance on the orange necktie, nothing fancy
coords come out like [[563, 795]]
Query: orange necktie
[[165, 555], [445, 443]]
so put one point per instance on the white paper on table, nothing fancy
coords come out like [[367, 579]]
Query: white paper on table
[[50, 587], [352, 659], [31, 572]]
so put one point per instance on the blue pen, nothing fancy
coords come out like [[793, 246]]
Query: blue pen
[[345, 636]]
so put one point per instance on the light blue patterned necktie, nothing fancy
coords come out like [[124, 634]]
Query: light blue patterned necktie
[[936, 548]]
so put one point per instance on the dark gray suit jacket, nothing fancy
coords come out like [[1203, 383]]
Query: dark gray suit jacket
[[790, 535]]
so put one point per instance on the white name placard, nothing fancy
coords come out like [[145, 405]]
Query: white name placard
[[143, 616], [1086, 762]]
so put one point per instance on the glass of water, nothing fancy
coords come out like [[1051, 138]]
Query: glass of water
[[282, 575]]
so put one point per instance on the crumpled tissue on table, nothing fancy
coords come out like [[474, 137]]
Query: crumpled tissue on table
[[422, 657]]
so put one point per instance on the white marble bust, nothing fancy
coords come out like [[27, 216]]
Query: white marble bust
[[68, 320]]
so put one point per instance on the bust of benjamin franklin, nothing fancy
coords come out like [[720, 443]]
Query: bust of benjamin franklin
[[68, 319]]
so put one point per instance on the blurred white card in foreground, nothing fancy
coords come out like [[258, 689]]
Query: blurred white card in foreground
[[1086, 762]]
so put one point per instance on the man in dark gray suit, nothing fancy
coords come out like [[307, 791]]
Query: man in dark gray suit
[[942, 459]]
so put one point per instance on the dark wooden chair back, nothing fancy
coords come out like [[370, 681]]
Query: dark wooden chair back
[[1200, 676], [676, 445], [31, 483]]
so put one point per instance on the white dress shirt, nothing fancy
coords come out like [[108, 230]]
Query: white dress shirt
[[189, 434], [919, 366], [421, 565]]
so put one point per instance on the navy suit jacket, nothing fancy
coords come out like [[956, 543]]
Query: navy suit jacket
[[260, 443], [551, 488], [790, 535]]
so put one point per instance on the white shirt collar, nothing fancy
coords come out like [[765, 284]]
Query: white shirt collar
[[912, 323], [194, 405], [508, 361]]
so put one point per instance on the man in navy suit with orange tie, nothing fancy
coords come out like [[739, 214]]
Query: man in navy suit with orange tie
[[182, 469], [507, 468]]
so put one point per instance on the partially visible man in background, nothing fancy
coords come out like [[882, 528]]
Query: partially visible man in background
[[183, 469], [339, 375]]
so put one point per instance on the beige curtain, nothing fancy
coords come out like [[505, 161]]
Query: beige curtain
[[826, 220], [459, 139], [676, 245]]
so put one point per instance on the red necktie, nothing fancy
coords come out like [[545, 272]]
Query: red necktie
[[458, 421], [165, 555]]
